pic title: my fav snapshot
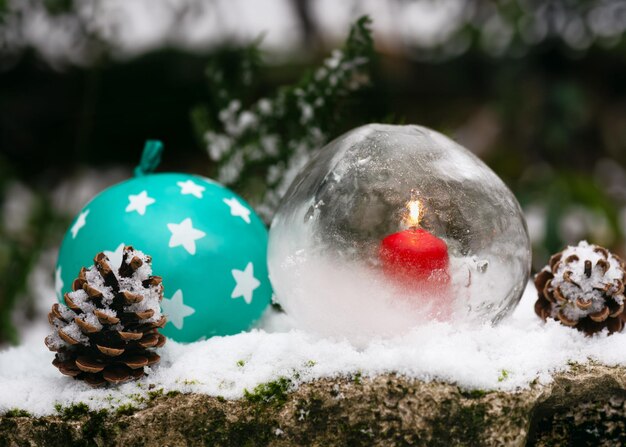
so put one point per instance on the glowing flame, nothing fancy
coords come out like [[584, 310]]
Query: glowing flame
[[415, 213]]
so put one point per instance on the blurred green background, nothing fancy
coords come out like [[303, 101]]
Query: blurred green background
[[535, 88]]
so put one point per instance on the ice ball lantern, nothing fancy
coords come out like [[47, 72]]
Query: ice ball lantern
[[391, 226]]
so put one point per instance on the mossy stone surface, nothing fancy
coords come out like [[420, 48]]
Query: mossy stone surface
[[585, 406]]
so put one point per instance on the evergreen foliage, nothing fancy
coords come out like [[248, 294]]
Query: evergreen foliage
[[260, 148]]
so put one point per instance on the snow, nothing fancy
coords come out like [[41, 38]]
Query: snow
[[509, 356], [81, 299], [238, 143], [590, 288], [55, 341], [95, 280], [133, 284], [92, 320], [74, 331]]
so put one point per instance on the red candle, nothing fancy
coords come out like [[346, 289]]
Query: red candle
[[418, 261], [414, 255]]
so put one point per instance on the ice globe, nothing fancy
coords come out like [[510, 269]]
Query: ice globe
[[390, 227]]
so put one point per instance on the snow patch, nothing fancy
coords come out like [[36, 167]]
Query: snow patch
[[509, 356]]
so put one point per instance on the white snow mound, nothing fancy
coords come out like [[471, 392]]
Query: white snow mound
[[509, 356]]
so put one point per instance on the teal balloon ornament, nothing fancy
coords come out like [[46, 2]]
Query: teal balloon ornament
[[206, 243]]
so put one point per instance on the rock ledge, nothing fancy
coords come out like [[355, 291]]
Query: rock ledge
[[584, 406]]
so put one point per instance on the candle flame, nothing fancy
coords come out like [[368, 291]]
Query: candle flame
[[415, 213]]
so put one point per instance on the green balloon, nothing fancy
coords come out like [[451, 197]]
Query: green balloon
[[205, 241]]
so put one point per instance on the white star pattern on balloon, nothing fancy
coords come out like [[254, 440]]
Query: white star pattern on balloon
[[237, 209], [192, 188], [115, 256], [185, 234], [58, 281], [246, 283], [175, 310], [80, 223], [139, 202]]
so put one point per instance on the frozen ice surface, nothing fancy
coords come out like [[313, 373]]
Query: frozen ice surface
[[325, 239], [472, 356]]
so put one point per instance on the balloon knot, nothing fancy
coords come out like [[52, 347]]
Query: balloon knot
[[150, 158]]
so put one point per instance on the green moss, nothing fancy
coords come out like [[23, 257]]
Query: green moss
[[95, 429], [7, 425], [473, 394], [155, 394], [272, 393], [138, 398], [356, 378], [254, 431], [210, 426], [125, 410], [472, 416], [458, 424], [74, 411], [504, 374], [172, 393], [250, 433], [241, 363], [52, 433], [17, 413]]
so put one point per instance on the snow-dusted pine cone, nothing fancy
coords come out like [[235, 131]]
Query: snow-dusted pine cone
[[110, 322], [583, 287]]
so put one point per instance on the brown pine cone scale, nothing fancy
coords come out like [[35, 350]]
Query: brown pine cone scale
[[583, 287], [109, 326]]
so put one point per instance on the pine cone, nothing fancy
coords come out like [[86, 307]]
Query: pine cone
[[110, 322], [583, 287]]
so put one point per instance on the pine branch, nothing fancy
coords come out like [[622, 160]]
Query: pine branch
[[276, 136]]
